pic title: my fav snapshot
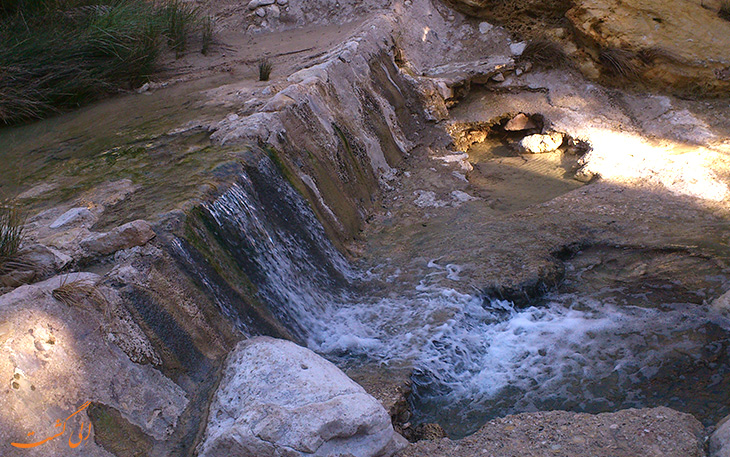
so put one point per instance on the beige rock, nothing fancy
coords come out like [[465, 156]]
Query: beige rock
[[520, 122], [539, 144], [55, 356], [657, 432], [684, 45], [135, 233]]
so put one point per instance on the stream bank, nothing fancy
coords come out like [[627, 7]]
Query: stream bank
[[340, 213]]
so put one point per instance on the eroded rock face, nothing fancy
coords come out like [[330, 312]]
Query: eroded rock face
[[674, 43], [56, 354], [656, 432], [279, 399]]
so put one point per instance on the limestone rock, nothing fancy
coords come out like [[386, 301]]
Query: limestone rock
[[539, 144], [256, 3], [72, 216], [135, 233], [279, 399], [722, 303], [520, 122], [656, 432], [56, 356], [43, 258], [682, 44], [720, 439]]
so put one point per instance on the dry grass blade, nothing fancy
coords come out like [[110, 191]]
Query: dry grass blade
[[545, 53], [724, 11], [80, 293], [11, 236], [619, 62]]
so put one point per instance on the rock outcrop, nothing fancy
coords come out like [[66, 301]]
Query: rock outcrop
[[678, 44], [657, 432], [279, 399]]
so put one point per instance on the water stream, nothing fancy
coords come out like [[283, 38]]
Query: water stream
[[586, 348]]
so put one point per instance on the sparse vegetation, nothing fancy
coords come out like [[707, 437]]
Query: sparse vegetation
[[265, 68], [57, 54], [206, 34], [619, 62], [79, 293], [11, 236], [724, 11], [545, 53]]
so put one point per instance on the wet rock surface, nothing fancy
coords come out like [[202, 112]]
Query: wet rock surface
[[657, 432], [381, 126]]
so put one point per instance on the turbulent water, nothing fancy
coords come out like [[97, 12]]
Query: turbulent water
[[474, 359]]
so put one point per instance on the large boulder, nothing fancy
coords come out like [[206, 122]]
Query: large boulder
[[279, 399], [656, 432]]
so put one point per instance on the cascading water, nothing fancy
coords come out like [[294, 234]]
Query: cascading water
[[474, 359]]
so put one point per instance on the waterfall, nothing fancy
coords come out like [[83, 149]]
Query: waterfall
[[472, 361]]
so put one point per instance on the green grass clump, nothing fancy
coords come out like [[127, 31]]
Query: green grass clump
[[265, 68], [11, 235], [57, 54]]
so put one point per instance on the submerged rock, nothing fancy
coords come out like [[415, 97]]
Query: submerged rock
[[277, 398], [656, 432]]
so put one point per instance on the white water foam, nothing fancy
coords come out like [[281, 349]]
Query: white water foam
[[472, 360]]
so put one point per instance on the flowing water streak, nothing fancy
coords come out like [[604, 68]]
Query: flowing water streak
[[472, 361]]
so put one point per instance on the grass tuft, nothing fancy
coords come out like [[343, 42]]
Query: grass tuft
[[206, 34], [265, 68], [619, 62], [78, 293], [11, 236], [724, 11], [545, 53]]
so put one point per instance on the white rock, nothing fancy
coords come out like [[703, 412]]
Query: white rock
[[485, 27], [261, 12], [74, 215], [517, 48], [256, 3], [273, 10], [282, 2], [538, 144], [720, 439], [499, 77], [722, 303], [279, 399]]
